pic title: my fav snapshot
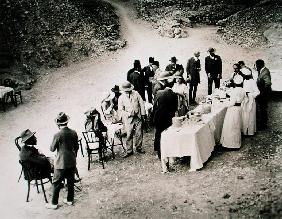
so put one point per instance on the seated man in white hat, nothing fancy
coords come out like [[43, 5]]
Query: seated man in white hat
[[31, 154], [132, 111]]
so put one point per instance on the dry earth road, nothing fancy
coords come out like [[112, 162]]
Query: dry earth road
[[73, 90]]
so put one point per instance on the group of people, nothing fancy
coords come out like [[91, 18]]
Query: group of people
[[248, 103], [65, 143], [170, 95]]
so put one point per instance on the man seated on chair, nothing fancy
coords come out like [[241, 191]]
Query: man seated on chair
[[110, 104], [94, 123], [31, 154]]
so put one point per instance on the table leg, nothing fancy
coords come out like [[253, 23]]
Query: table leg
[[164, 165]]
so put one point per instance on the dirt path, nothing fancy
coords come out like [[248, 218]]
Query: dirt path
[[74, 89]]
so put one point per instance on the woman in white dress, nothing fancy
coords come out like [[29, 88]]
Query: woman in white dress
[[232, 125], [181, 89], [249, 105]]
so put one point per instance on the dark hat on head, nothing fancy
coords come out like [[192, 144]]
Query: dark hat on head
[[26, 134], [211, 49], [127, 86], [156, 63], [115, 89], [62, 119], [173, 59], [151, 59]]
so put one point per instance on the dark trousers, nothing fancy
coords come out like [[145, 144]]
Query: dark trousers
[[157, 142], [149, 89], [262, 105], [192, 92], [59, 176], [210, 82]]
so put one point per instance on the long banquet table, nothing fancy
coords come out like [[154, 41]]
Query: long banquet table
[[194, 140]]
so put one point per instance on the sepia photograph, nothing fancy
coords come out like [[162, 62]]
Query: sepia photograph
[[141, 109]]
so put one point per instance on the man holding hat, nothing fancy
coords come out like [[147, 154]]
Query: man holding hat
[[213, 67], [31, 154], [65, 142], [172, 68], [132, 111]]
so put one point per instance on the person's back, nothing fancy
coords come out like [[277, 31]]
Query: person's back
[[65, 142], [165, 107]]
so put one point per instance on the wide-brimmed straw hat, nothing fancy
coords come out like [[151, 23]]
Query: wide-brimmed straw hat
[[91, 111], [246, 71], [177, 74], [238, 79], [164, 76], [26, 134], [127, 86], [62, 118]]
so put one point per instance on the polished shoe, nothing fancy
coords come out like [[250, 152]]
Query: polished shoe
[[127, 155], [51, 206], [67, 202], [140, 151]]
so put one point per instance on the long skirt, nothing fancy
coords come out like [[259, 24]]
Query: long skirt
[[249, 117], [232, 127]]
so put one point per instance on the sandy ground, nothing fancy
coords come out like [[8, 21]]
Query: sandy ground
[[133, 187]]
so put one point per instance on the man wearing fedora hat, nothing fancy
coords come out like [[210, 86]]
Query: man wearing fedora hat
[[165, 106], [65, 142], [31, 154], [132, 111], [213, 68], [193, 74], [136, 77], [148, 76], [172, 68], [161, 82]]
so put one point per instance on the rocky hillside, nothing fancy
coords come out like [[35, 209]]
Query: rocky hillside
[[239, 21], [53, 33]]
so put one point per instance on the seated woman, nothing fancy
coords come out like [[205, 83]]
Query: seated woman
[[249, 106], [181, 89], [110, 104], [31, 154], [232, 125]]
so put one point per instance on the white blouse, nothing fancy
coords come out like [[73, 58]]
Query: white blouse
[[251, 87]]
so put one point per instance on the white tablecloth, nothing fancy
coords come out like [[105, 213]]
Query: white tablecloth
[[5, 90], [196, 141]]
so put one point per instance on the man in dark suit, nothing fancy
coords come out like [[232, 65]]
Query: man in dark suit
[[148, 76], [172, 68], [264, 86], [213, 67], [193, 76], [165, 106], [136, 77], [65, 142], [31, 154]]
